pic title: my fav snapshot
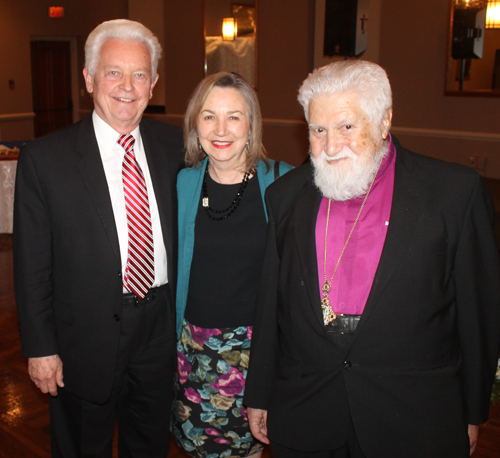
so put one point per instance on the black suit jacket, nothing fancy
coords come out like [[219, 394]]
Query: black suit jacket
[[424, 353], [67, 264]]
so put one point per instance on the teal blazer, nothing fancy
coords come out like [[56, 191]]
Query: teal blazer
[[189, 183]]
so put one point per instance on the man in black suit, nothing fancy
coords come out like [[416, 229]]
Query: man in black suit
[[94, 281], [378, 318]]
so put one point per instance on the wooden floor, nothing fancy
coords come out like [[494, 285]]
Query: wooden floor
[[24, 420]]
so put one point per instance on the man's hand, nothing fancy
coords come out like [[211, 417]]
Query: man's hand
[[46, 373], [258, 424], [473, 434]]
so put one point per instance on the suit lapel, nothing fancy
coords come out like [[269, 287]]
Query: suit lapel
[[405, 213], [160, 169], [92, 173], [305, 215]]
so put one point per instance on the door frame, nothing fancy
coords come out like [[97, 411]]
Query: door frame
[[75, 74]]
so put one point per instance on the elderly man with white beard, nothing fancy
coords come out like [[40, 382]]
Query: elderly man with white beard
[[377, 327]]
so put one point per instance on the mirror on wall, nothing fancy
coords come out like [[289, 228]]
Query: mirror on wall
[[473, 61], [230, 37]]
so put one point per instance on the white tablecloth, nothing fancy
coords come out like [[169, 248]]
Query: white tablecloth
[[7, 178]]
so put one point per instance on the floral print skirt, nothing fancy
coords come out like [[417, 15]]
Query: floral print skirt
[[209, 419]]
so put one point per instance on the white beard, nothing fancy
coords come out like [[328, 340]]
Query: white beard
[[342, 184]]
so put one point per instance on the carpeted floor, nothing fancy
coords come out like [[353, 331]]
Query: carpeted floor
[[5, 242]]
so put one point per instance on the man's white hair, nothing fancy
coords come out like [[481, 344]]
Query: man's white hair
[[366, 79], [122, 29]]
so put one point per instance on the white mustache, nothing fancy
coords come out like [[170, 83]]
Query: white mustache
[[342, 154]]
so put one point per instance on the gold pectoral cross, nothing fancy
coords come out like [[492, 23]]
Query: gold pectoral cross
[[328, 314]]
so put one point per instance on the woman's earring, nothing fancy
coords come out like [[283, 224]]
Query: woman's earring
[[247, 147], [200, 148]]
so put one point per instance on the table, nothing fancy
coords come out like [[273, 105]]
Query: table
[[8, 166]]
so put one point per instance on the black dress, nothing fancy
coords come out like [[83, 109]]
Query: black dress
[[209, 419]]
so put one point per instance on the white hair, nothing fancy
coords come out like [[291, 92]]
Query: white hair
[[362, 77], [121, 29]]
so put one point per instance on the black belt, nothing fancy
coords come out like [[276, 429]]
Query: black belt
[[132, 299], [343, 324]]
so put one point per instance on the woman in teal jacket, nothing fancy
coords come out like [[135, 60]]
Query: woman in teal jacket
[[222, 227]]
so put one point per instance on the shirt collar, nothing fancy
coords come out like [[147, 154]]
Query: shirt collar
[[107, 136]]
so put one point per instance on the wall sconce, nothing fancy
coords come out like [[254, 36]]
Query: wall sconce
[[229, 28], [493, 15]]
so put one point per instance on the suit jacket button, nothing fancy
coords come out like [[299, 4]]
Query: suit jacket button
[[347, 364], [117, 317]]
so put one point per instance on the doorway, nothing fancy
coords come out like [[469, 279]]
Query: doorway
[[51, 77]]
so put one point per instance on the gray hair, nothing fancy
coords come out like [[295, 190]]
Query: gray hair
[[121, 29], [365, 78]]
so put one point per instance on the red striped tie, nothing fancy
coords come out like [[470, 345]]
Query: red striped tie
[[139, 272]]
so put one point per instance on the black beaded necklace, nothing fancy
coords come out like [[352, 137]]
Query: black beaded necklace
[[227, 212]]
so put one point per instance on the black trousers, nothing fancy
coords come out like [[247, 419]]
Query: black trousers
[[351, 449], [141, 397]]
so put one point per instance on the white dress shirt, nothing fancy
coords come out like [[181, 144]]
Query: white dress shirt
[[112, 158]]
